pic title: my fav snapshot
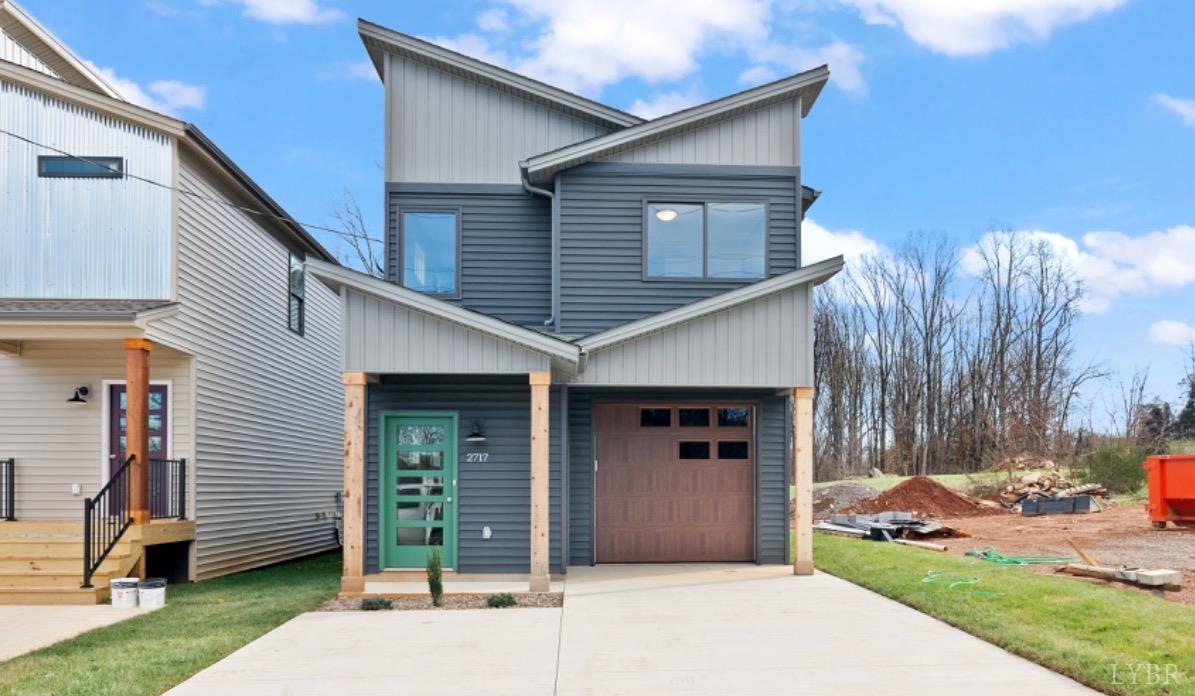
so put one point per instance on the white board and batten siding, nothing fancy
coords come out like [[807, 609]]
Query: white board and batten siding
[[82, 238], [767, 342], [13, 51], [58, 444], [767, 136], [384, 337], [268, 403], [445, 128]]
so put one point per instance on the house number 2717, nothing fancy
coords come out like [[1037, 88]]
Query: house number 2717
[[477, 456]]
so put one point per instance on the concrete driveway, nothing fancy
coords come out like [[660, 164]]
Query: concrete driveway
[[30, 627], [685, 629]]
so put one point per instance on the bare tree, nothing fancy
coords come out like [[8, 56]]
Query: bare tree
[[367, 250]]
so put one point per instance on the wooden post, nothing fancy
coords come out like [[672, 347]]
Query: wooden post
[[802, 501], [136, 375], [353, 577], [540, 473]]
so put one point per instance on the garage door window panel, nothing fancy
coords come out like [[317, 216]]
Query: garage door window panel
[[738, 417], [694, 450], [655, 417]]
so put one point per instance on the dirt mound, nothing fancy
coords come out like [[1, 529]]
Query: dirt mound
[[832, 499], [925, 497]]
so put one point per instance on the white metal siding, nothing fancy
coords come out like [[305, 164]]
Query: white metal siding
[[443, 127], [81, 238], [269, 411], [763, 343], [766, 136], [13, 51], [57, 444], [383, 337]]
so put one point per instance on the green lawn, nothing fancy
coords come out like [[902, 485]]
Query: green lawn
[[1083, 630], [202, 623]]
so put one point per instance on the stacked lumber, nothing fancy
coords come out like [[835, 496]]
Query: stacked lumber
[[1045, 484], [1025, 462]]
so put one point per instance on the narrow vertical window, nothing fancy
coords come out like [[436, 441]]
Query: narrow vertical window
[[296, 300], [430, 251]]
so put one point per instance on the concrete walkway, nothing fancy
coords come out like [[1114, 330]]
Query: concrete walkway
[[28, 628], [652, 630]]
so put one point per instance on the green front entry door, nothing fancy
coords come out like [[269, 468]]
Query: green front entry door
[[418, 489]]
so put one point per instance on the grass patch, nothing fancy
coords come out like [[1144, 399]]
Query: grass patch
[[1182, 446], [1082, 630], [202, 623]]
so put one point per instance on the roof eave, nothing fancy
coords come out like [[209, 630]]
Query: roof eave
[[339, 276], [812, 274], [52, 43]]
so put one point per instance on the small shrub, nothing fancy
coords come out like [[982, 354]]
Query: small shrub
[[1116, 468], [435, 582], [376, 604], [499, 601]]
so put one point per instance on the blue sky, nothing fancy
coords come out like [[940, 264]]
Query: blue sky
[[1073, 119]]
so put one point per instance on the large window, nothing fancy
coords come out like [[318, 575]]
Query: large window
[[430, 251], [722, 240], [56, 167], [296, 295]]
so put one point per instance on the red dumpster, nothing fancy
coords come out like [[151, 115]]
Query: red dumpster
[[1171, 489]]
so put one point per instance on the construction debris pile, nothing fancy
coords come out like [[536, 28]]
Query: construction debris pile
[[1049, 493], [1025, 462], [925, 497], [838, 497], [897, 527]]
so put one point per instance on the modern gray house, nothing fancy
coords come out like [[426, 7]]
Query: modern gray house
[[593, 343], [170, 397]]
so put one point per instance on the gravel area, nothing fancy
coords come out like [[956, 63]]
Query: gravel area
[[526, 600], [832, 499]]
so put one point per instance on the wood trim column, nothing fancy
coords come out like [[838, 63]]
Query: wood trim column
[[540, 477], [802, 501], [352, 578], [136, 375]]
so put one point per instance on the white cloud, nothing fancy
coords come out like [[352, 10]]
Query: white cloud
[[165, 96], [976, 27], [1183, 108], [349, 70], [286, 11], [1173, 333], [819, 243], [843, 58], [1112, 264], [758, 75], [493, 20], [665, 103]]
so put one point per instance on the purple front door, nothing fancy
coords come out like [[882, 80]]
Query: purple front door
[[158, 427]]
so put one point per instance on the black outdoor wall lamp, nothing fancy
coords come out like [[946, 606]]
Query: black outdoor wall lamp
[[478, 435], [80, 396]]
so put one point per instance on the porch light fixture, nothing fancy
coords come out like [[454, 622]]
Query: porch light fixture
[[80, 396], [477, 435], [666, 215]]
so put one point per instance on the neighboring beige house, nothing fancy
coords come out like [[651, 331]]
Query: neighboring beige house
[[161, 349]]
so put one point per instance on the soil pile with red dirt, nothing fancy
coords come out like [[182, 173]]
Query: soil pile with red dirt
[[925, 497]]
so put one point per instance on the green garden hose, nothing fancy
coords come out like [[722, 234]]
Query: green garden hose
[[954, 582], [990, 554]]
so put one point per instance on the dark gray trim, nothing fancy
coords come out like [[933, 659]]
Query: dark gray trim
[[419, 187], [555, 303], [109, 167], [565, 546], [718, 170], [705, 236], [399, 226], [788, 473]]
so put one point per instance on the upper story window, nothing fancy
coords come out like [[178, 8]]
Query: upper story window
[[296, 298], [55, 167], [722, 240], [431, 250]]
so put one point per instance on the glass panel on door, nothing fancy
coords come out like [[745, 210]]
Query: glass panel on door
[[419, 469]]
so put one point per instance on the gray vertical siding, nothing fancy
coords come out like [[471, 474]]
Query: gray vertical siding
[[496, 492], [771, 464], [384, 337], [268, 402], [445, 127], [759, 343], [601, 208], [506, 247]]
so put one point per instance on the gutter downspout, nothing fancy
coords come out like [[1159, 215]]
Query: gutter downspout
[[555, 202]]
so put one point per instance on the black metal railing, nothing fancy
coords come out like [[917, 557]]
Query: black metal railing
[[105, 519], [8, 489], [168, 489]]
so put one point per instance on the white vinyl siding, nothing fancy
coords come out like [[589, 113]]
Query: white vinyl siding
[[268, 403], [82, 238], [57, 444]]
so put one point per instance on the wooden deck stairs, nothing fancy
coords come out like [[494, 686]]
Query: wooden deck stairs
[[42, 562]]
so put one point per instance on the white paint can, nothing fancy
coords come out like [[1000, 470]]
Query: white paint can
[[152, 592], [124, 592]]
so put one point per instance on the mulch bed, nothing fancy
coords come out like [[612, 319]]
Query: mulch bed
[[925, 497], [526, 600]]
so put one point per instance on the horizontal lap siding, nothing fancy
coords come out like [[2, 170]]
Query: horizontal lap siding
[[772, 464], [506, 249], [382, 337], [601, 208], [494, 493], [269, 403]]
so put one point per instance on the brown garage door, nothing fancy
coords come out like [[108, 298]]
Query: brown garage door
[[675, 482]]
